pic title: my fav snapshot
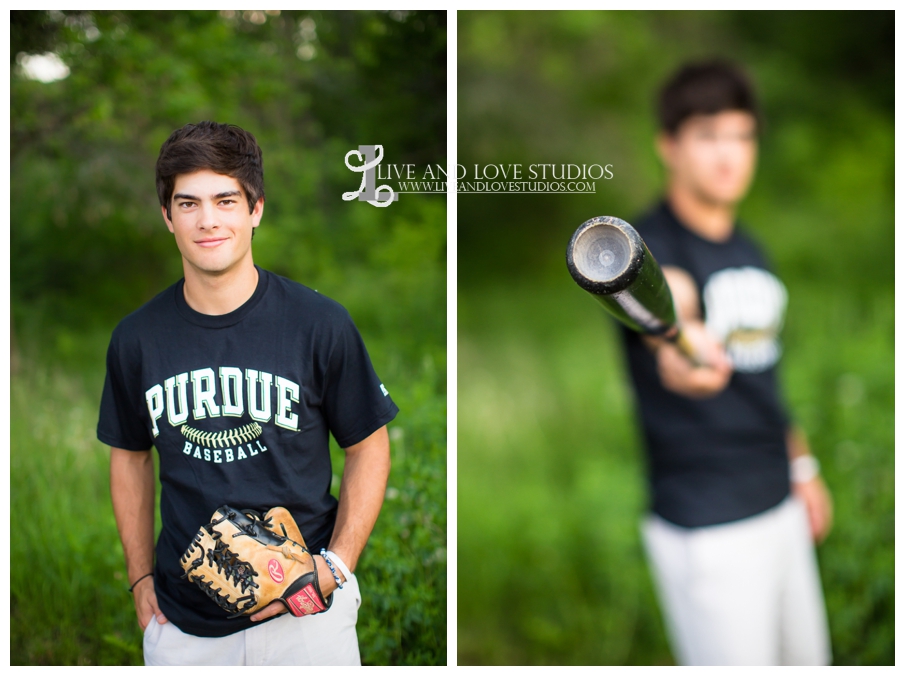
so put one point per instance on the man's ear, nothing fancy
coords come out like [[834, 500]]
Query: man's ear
[[665, 144], [166, 219], [257, 212]]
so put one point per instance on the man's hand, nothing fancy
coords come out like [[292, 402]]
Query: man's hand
[[146, 603], [325, 576], [813, 492], [132, 493], [324, 579], [361, 494], [819, 506], [679, 375], [676, 371], [275, 608]]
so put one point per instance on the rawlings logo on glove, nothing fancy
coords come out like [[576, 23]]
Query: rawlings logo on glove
[[227, 557]]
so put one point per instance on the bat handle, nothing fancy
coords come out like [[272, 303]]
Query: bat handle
[[681, 341]]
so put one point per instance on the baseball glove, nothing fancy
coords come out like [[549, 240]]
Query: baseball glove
[[244, 561]]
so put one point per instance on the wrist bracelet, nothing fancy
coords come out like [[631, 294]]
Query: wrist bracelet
[[139, 580], [332, 569], [803, 468]]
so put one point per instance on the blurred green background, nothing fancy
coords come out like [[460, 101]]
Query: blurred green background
[[550, 471], [93, 96]]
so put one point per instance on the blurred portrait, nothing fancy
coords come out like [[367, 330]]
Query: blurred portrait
[[228, 337], [675, 300]]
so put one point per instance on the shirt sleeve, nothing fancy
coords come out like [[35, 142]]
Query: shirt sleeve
[[356, 403], [121, 424]]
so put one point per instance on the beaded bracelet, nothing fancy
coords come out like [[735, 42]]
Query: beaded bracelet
[[332, 569], [139, 580]]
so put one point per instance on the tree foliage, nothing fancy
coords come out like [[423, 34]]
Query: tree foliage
[[309, 85]]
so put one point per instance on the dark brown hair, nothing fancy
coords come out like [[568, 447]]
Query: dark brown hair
[[223, 148], [705, 88]]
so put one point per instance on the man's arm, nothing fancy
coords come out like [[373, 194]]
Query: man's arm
[[132, 490], [676, 372], [361, 496], [808, 486]]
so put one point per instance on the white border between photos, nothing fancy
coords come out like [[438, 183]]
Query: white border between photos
[[451, 343]]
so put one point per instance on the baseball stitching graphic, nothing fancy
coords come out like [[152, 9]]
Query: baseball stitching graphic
[[224, 438]]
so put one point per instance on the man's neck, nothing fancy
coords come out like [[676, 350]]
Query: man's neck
[[706, 219], [219, 294]]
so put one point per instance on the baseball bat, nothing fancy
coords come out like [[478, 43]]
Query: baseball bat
[[608, 259]]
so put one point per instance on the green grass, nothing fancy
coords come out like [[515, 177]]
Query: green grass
[[551, 477], [70, 605]]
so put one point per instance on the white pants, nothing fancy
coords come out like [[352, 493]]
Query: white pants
[[315, 640], [742, 593]]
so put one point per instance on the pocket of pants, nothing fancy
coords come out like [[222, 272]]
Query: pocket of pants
[[351, 590], [357, 592], [150, 636]]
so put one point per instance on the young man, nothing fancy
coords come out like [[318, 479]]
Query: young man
[[238, 376], [736, 495]]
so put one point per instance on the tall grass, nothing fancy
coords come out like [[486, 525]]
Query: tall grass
[[69, 603], [551, 476]]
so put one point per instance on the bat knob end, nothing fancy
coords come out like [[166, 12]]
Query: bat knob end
[[605, 254]]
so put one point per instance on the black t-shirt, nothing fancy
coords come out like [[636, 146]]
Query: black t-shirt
[[724, 458], [240, 407]]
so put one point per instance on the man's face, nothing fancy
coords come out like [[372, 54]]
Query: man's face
[[211, 222], [713, 156]]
